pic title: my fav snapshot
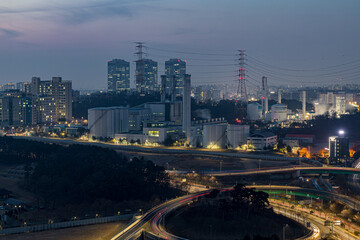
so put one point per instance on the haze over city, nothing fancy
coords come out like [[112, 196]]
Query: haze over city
[[74, 39], [179, 120]]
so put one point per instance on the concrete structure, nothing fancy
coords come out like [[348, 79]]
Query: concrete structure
[[279, 113], [237, 135], [262, 140], [214, 136], [187, 107], [118, 75], [161, 133], [279, 96], [137, 117], [304, 104], [106, 122], [51, 100], [254, 111], [265, 97]]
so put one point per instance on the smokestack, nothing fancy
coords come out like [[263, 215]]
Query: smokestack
[[163, 88], [173, 89], [279, 95], [304, 104], [187, 106], [265, 89]]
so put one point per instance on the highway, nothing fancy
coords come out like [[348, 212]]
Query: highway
[[307, 169], [317, 218], [154, 218], [171, 150]]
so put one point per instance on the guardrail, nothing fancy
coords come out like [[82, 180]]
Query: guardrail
[[77, 223]]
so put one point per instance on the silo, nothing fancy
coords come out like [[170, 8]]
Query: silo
[[214, 136], [254, 111], [279, 112], [237, 135]]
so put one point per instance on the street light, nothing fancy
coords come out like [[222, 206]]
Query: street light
[[341, 132]]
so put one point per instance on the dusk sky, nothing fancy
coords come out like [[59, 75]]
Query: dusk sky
[[74, 39]]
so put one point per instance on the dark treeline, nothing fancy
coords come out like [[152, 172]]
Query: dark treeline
[[78, 173], [80, 108], [324, 126]]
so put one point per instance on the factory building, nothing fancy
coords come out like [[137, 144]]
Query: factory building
[[106, 122], [262, 140], [237, 135], [137, 117]]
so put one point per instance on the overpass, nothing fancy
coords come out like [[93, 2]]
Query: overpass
[[307, 169]]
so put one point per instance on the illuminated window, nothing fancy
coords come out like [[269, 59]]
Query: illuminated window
[[154, 133]]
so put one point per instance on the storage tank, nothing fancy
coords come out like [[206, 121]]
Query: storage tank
[[214, 136], [106, 122], [278, 112], [237, 135], [254, 111]]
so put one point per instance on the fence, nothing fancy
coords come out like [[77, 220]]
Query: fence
[[77, 223]]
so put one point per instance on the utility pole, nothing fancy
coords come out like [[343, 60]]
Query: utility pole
[[241, 91], [221, 161]]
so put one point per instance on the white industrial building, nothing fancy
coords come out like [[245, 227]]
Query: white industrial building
[[278, 113], [214, 136], [262, 140], [106, 122], [254, 111], [237, 135]]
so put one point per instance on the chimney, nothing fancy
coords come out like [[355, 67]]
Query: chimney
[[265, 94], [279, 96], [304, 104], [187, 106], [163, 88]]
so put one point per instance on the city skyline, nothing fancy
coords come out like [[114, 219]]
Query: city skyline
[[75, 40]]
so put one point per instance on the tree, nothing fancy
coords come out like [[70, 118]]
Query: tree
[[288, 149]]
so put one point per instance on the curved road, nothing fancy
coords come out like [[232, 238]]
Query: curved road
[[152, 219]]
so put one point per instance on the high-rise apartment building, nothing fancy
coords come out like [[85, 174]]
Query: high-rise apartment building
[[15, 109], [51, 100], [146, 76], [175, 69], [340, 105], [339, 148], [118, 75]]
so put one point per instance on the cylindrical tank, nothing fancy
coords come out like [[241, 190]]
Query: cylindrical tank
[[106, 122], [214, 136], [237, 135], [279, 112], [254, 111]]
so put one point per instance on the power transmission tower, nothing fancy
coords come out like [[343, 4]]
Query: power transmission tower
[[139, 77], [241, 91]]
